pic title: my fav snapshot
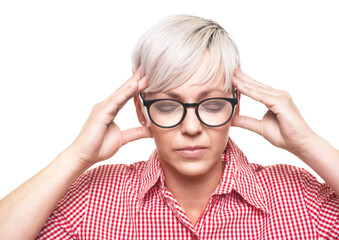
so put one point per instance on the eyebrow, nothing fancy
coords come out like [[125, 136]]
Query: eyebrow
[[201, 95]]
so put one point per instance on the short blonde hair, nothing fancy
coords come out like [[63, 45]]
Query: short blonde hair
[[171, 51]]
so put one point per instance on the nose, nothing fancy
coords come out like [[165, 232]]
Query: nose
[[191, 125]]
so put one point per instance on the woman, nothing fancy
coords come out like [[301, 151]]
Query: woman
[[197, 184]]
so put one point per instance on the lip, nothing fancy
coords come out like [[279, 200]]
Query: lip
[[192, 151]]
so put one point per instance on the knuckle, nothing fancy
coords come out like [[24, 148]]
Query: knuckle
[[119, 89], [96, 107], [286, 94], [259, 88], [128, 88], [133, 86], [114, 106], [261, 93], [95, 111], [285, 97]]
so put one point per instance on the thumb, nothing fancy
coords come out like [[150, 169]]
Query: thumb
[[133, 134], [248, 123]]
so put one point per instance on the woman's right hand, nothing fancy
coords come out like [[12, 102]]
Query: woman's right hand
[[100, 138]]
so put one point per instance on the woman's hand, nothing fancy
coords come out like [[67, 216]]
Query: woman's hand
[[282, 125], [100, 138]]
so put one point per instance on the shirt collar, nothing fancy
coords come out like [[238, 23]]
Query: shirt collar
[[150, 175], [238, 175]]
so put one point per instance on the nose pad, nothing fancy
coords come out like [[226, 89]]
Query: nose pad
[[191, 124]]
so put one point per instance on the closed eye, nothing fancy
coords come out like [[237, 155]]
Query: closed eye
[[213, 106], [166, 106]]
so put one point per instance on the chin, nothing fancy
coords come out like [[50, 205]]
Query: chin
[[192, 169], [190, 166]]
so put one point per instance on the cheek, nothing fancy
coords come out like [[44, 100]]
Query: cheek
[[161, 136], [219, 138]]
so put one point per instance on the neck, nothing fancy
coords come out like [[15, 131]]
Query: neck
[[193, 193], [193, 188]]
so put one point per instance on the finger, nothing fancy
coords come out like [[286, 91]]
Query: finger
[[119, 98], [242, 77], [259, 94], [130, 85], [248, 123], [238, 73], [135, 77], [255, 85], [133, 134], [106, 110]]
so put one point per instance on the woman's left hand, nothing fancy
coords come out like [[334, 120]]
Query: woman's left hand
[[282, 125]]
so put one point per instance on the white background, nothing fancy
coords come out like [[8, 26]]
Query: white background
[[59, 58]]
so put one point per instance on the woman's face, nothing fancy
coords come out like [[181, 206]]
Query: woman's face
[[191, 149]]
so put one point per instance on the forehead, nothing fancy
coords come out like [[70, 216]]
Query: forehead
[[192, 92]]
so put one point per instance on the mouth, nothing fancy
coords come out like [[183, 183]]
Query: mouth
[[192, 151]]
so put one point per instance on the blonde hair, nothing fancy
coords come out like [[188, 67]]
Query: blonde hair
[[171, 51]]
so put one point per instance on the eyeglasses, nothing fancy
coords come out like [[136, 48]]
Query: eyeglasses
[[169, 113]]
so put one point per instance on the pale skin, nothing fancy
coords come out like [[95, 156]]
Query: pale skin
[[191, 179], [30, 205], [284, 127]]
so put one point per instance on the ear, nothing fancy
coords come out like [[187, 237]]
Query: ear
[[140, 114], [237, 108]]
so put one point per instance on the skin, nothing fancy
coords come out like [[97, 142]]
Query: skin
[[191, 175], [284, 127], [29, 205]]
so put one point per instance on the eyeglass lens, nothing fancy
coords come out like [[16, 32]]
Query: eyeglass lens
[[212, 112]]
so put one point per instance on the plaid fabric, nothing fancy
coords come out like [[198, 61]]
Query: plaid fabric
[[251, 202]]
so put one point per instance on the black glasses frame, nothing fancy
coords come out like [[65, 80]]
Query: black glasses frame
[[148, 103]]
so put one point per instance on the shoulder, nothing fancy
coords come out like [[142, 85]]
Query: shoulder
[[279, 171], [104, 179], [285, 177], [114, 172], [282, 178]]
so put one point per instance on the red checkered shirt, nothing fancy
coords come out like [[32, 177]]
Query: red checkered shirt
[[251, 202]]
